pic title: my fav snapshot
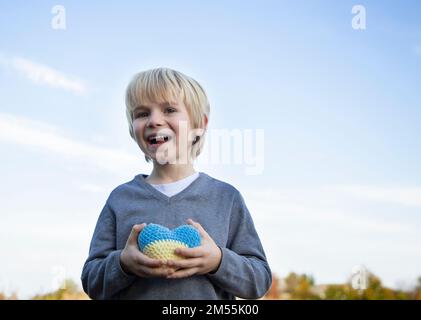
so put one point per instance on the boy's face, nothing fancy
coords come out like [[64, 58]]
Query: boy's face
[[163, 131]]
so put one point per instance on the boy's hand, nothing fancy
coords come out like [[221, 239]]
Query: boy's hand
[[200, 260], [133, 261]]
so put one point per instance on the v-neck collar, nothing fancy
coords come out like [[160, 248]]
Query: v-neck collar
[[161, 196]]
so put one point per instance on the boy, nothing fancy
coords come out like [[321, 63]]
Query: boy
[[168, 113]]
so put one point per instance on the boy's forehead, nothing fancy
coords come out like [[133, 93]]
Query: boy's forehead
[[148, 105]]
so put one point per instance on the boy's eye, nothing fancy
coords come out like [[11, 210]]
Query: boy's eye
[[145, 114], [141, 114]]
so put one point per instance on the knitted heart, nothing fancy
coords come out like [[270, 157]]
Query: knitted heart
[[159, 242]]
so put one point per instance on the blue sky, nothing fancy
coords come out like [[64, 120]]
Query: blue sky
[[339, 108]]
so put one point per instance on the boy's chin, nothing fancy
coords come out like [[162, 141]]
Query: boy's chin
[[162, 160], [167, 160]]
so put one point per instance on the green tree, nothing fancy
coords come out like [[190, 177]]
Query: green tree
[[273, 292], [13, 296], [374, 291], [300, 287], [68, 291], [416, 293]]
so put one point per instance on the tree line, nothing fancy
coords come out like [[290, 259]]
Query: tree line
[[293, 287]]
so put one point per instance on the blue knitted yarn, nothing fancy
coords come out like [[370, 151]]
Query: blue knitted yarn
[[185, 234]]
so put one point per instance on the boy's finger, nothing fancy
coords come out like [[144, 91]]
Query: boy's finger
[[155, 272], [149, 262], [189, 252], [136, 229], [199, 228], [183, 273], [184, 263]]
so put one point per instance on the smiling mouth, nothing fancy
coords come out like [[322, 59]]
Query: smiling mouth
[[158, 140]]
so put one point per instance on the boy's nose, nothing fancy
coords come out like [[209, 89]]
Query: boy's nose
[[155, 119]]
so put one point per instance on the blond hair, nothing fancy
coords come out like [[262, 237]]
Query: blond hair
[[163, 85]]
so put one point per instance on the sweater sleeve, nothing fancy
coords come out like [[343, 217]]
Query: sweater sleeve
[[102, 275], [244, 270]]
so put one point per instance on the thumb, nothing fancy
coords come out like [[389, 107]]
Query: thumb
[[199, 228], [134, 234]]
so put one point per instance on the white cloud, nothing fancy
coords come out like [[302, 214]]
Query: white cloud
[[92, 188], [44, 75], [326, 231], [42, 136], [325, 206], [47, 239], [405, 196]]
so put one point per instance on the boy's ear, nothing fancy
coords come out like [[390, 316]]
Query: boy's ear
[[197, 138], [205, 120]]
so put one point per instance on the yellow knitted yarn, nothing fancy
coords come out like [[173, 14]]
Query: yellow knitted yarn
[[164, 249]]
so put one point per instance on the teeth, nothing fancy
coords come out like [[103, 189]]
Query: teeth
[[159, 138]]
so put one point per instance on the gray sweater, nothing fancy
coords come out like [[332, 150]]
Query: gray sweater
[[216, 205]]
